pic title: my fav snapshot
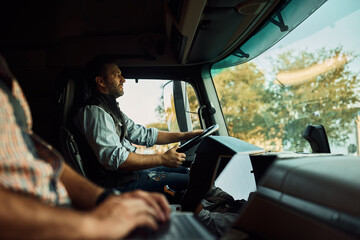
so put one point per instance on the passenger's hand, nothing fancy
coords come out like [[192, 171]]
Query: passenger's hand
[[172, 158], [155, 200], [117, 216], [116, 219]]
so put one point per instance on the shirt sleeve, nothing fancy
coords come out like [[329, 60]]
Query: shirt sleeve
[[140, 135], [99, 129], [21, 169]]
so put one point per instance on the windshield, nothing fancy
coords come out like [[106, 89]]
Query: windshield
[[311, 76]]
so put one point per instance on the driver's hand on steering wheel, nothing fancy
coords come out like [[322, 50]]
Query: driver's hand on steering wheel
[[172, 158]]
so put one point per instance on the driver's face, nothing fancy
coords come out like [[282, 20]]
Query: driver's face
[[114, 80]]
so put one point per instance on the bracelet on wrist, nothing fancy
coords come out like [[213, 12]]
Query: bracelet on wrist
[[105, 194]]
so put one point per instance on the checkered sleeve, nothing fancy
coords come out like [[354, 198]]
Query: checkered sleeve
[[20, 170]]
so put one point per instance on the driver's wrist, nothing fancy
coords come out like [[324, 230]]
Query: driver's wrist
[[161, 159]]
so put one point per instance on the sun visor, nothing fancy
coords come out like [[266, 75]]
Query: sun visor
[[199, 31]]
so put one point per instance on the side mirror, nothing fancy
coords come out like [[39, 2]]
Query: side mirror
[[316, 136], [176, 106], [169, 107]]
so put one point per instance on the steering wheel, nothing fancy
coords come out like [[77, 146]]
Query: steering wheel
[[192, 142]]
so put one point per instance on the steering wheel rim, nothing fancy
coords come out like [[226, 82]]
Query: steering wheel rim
[[194, 141]]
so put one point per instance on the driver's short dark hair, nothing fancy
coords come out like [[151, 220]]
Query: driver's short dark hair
[[96, 67]]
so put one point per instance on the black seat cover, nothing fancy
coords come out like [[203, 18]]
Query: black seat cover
[[69, 98]]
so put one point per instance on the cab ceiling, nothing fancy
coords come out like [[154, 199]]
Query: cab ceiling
[[69, 33]]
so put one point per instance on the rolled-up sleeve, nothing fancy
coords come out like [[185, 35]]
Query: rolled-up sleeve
[[98, 128], [140, 135]]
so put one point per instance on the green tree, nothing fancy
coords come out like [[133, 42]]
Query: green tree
[[242, 97]]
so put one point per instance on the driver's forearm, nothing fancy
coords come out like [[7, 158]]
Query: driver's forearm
[[23, 217], [170, 137], [142, 161]]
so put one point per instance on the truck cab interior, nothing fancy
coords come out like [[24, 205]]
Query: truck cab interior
[[278, 78]]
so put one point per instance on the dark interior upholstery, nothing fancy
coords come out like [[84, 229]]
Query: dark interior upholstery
[[72, 94], [318, 193]]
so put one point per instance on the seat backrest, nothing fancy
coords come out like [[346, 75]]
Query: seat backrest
[[71, 151], [72, 93]]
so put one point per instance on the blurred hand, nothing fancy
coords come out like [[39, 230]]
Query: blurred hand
[[155, 200], [172, 158], [117, 216]]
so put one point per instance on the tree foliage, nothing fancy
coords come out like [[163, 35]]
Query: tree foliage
[[273, 114]]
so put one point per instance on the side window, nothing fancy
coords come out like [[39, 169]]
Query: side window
[[146, 102]]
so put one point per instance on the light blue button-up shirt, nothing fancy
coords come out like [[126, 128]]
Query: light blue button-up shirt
[[98, 127]]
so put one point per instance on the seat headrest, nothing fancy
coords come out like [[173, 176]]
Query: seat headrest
[[73, 93]]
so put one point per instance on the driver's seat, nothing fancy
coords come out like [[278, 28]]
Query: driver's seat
[[72, 143], [73, 94], [69, 98]]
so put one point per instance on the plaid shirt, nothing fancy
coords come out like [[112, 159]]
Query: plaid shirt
[[20, 170]]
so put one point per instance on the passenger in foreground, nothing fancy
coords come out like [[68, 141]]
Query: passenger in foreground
[[42, 198], [110, 134]]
